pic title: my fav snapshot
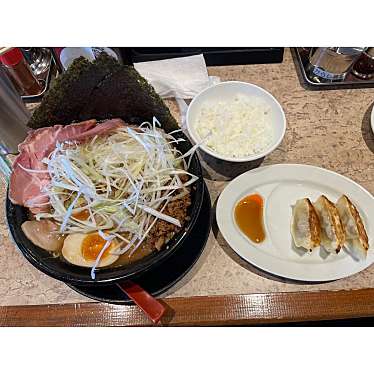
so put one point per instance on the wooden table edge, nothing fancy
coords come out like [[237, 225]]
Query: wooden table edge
[[252, 309]]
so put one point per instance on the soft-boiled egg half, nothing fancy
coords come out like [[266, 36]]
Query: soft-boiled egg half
[[83, 250]]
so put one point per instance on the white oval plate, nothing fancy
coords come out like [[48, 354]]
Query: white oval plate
[[280, 186]]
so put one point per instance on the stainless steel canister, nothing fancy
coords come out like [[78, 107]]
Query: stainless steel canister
[[328, 64], [13, 119]]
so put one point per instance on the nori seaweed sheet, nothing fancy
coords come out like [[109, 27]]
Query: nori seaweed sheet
[[60, 95], [70, 91], [101, 89], [126, 94]]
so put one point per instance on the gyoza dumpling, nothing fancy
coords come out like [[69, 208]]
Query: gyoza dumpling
[[332, 231], [305, 227], [355, 232]]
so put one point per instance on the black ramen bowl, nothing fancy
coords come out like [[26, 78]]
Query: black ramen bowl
[[60, 269]]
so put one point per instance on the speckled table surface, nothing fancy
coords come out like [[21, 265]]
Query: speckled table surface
[[330, 129]]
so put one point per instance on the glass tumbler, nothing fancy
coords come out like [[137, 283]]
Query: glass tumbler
[[364, 67]]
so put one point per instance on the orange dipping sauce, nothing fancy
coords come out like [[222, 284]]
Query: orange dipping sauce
[[249, 217]]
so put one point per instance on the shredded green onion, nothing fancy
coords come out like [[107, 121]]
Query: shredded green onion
[[123, 181]]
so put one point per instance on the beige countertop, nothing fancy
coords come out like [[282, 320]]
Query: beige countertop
[[330, 129]]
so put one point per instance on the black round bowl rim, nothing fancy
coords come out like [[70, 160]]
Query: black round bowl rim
[[107, 275]]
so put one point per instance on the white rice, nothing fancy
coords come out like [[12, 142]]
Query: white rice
[[237, 127]]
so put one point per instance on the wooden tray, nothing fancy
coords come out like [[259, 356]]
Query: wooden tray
[[330, 129], [229, 310]]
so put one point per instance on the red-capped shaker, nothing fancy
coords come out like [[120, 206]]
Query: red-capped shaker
[[20, 72]]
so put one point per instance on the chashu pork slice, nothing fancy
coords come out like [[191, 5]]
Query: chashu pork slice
[[30, 176]]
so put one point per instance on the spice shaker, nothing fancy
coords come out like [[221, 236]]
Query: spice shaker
[[20, 72]]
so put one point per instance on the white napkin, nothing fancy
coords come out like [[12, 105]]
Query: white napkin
[[182, 77]]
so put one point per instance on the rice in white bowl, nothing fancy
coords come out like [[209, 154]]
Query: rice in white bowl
[[237, 127]]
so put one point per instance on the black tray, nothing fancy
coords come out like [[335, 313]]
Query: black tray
[[351, 81], [161, 278], [214, 56]]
